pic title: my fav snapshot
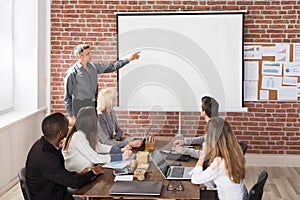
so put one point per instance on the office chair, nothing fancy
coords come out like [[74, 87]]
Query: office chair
[[243, 145], [257, 190], [208, 193], [23, 184]]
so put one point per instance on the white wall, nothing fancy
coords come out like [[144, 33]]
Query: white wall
[[15, 142]]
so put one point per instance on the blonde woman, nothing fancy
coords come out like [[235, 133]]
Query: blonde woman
[[109, 130], [226, 162], [82, 148]]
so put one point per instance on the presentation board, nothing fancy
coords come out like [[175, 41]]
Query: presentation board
[[272, 72], [184, 56]]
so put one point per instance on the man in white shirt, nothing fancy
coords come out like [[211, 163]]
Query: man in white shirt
[[210, 108]]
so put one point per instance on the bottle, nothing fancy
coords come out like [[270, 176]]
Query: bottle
[[179, 135]]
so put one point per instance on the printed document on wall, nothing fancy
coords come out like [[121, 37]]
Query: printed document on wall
[[251, 70], [252, 52], [251, 90], [289, 80], [282, 52], [268, 51], [271, 68], [296, 54], [292, 69], [287, 93], [271, 82], [264, 95]]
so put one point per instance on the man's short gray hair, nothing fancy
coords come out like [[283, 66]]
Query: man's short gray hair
[[80, 48]]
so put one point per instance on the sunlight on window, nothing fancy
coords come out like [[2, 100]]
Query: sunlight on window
[[6, 52]]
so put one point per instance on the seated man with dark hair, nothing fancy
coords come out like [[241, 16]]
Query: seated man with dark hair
[[46, 175], [210, 108]]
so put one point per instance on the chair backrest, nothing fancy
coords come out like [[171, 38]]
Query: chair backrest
[[23, 183], [257, 190], [208, 193], [244, 147]]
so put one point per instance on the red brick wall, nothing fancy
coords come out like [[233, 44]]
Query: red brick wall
[[267, 127]]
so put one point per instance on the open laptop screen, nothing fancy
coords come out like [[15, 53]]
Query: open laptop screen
[[161, 163]]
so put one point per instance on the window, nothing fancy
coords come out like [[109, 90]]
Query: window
[[25, 63], [6, 52]]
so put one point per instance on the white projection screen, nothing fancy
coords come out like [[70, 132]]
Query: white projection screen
[[183, 57]]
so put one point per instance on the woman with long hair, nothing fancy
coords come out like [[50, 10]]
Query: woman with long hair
[[82, 148], [109, 130], [226, 162]]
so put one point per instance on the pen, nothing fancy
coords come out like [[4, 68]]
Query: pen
[[187, 146]]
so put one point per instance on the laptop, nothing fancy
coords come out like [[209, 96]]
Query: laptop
[[179, 157], [171, 155], [170, 172], [151, 188]]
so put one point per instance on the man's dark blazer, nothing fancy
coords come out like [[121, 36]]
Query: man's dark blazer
[[46, 174]]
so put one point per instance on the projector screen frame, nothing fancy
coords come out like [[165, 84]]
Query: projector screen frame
[[222, 107]]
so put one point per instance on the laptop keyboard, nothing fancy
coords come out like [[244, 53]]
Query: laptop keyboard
[[177, 172]]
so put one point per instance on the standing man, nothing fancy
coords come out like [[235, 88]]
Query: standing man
[[210, 108], [46, 174], [81, 80]]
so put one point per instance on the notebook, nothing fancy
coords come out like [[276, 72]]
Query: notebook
[[152, 188], [170, 172]]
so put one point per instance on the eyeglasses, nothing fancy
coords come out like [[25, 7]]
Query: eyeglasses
[[175, 185]]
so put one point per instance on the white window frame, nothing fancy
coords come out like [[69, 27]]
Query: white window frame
[[6, 52], [31, 59]]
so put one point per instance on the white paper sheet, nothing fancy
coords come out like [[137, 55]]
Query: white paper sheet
[[290, 81], [251, 89], [252, 52], [264, 95], [282, 52], [268, 50], [292, 69], [298, 90], [296, 54], [271, 68], [271, 82], [287, 93], [118, 164], [123, 178], [251, 70]]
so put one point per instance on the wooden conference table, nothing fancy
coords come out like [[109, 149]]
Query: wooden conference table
[[101, 186]]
